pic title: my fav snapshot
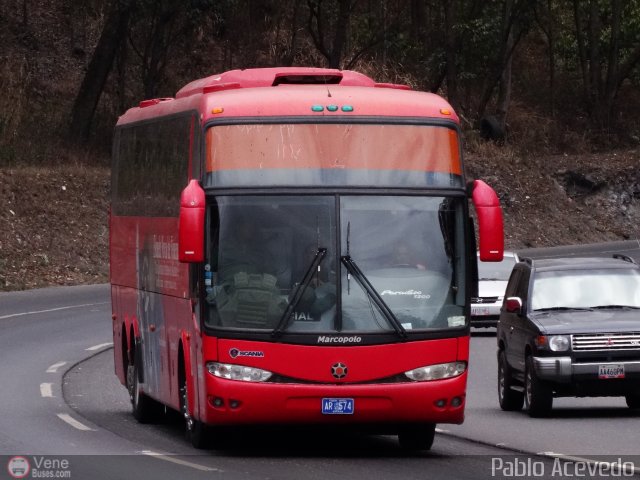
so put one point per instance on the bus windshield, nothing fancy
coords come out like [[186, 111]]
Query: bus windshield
[[267, 255]]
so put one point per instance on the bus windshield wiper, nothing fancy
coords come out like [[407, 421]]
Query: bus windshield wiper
[[360, 277], [299, 291]]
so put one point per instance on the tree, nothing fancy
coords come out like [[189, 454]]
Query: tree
[[157, 27], [113, 34], [514, 24], [545, 12], [451, 50], [606, 60], [329, 32], [286, 33]]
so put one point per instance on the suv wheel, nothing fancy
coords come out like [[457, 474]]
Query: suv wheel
[[510, 400], [633, 400], [538, 396]]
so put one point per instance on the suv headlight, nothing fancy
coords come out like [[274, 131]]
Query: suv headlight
[[238, 372], [559, 343], [437, 372]]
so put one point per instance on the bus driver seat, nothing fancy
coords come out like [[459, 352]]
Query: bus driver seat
[[251, 300]]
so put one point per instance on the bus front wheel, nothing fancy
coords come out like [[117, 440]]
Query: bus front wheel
[[418, 437], [196, 432]]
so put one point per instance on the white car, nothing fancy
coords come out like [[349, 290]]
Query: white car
[[492, 282]]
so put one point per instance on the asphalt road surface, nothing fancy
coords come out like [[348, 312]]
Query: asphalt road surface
[[61, 402]]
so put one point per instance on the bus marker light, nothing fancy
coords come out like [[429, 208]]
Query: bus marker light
[[216, 110], [347, 108], [317, 108], [456, 402], [332, 108], [441, 403], [234, 404], [445, 111], [218, 402]]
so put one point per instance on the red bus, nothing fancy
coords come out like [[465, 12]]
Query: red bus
[[294, 246]]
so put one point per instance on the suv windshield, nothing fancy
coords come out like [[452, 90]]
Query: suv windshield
[[614, 287], [267, 255]]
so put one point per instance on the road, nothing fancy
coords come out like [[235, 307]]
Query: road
[[61, 401]]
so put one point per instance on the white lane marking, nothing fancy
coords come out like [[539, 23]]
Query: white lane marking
[[73, 422], [98, 347], [34, 312], [177, 461], [45, 390], [620, 465], [54, 368]]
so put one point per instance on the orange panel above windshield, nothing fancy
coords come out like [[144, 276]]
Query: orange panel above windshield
[[387, 148]]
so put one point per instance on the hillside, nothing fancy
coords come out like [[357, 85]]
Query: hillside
[[53, 226], [563, 178], [54, 231]]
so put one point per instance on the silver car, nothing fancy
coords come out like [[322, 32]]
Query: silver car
[[492, 282]]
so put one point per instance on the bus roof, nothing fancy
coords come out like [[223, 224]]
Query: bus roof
[[293, 91]]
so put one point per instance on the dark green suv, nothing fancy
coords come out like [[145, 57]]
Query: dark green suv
[[569, 327]]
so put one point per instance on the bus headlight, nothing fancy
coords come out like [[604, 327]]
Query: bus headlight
[[238, 372], [437, 372]]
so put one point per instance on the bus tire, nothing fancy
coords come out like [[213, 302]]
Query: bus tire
[[144, 408], [510, 400], [196, 432], [419, 437]]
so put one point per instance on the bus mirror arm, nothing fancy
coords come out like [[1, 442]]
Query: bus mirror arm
[[191, 224], [490, 222]]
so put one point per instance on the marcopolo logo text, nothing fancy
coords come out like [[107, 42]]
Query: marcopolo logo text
[[326, 339]]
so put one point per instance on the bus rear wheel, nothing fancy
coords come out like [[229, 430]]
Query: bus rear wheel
[[419, 437], [144, 408]]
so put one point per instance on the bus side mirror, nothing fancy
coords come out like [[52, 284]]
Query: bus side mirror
[[191, 224], [490, 225]]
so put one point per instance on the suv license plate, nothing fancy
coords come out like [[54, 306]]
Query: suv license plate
[[610, 371], [479, 311], [337, 406]]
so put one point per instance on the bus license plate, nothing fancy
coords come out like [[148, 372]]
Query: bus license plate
[[610, 371], [337, 406]]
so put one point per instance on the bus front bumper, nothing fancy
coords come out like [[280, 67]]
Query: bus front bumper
[[230, 402]]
